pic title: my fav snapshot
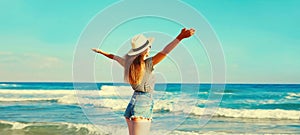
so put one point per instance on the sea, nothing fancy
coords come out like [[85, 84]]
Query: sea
[[69, 108]]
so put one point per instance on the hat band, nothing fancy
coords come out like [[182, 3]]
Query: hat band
[[141, 47]]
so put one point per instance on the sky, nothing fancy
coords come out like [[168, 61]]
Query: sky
[[259, 38]]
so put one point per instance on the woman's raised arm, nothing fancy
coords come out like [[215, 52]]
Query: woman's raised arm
[[162, 54], [120, 60]]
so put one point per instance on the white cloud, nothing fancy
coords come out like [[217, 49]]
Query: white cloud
[[27, 60], [31, 67], [5, 53], [51, 62]]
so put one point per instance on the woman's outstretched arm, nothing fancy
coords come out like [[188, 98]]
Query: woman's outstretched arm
[[111, 56], [162, 54]]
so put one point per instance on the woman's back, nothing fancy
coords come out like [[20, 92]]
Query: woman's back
[[147, 83]]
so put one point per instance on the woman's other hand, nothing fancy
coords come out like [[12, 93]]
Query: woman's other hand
[[185, 33], [96, 50]]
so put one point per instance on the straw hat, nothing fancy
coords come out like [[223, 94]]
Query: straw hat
[[139, 43]]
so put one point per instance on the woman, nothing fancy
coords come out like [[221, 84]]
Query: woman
[[137, 72]]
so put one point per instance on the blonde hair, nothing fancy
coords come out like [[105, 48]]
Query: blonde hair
[[134, 69]]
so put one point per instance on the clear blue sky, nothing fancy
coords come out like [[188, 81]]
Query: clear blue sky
[[260, 39]]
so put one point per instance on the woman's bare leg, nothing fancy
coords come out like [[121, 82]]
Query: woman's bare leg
[[141, 126], [129, 124]]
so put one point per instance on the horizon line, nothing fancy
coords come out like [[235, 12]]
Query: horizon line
[[155, 83]]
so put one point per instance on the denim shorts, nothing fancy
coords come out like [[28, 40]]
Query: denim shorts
[[140, 106]]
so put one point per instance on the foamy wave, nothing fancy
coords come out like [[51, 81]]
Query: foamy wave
[[116, 104], [119, 91], [63, 126], [116, 91], [40, 92], [8, 85], [88, 129], [173, 105], [253, 114], [120, 104], [293, 96], [105, 91], [82, 97], [257, 101], [15, 125], [55, 92], [26, 99]]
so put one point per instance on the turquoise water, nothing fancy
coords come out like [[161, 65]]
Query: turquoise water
[[56, 108]]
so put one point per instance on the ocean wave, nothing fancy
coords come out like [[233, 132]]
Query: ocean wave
[[118, 104], [125, 91], [104, 92], [8, 85], [26, 99], [39, 92], [116, 91], [65, 128], [113, 91], [252, 101], [250, 113], [293, 96], [176, 105], [9, 127], [172, 105]]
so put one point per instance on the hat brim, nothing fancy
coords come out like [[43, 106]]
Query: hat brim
[[131, 52]]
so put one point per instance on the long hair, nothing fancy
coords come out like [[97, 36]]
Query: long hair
[[134, 69]]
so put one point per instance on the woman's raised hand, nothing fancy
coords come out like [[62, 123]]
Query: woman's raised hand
[[97, 50], [185, 33]]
